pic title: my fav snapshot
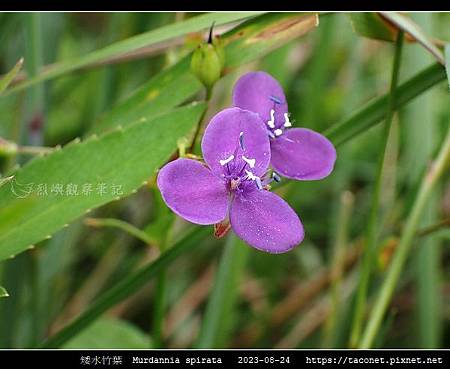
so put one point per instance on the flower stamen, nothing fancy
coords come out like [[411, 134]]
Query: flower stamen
[[251, 177], [226, 161], [271, 122], [250, 162], [287, 122]]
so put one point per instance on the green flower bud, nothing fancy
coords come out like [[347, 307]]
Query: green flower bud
[[206, 65], [218, 46], [208, 61]]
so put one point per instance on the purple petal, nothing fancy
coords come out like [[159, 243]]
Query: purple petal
[[303, 154], [266, 222], [193, 192], [221, 139], [260, 92]]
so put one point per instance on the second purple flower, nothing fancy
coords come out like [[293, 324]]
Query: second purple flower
[[297, 153]]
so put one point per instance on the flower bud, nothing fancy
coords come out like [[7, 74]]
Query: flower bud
[[208, 61], [218, 46]]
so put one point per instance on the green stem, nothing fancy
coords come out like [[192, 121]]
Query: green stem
[[124, 226], [372, 227], [34, 61], [127, 287], [401, 254]]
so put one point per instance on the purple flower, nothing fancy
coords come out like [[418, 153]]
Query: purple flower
[[297, 153], [232, 184]]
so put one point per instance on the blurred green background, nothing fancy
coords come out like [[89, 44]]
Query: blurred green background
[[223, 293]]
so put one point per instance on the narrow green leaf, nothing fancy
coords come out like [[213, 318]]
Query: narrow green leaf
[[370, 247], [245, 43], [407, 25], [3, 292], [127, 287], [419, 144], [447, 62], [217, 320], [89, 174], [375, 111], [8, 78], [108, 333], [371, 25], [146, 39]]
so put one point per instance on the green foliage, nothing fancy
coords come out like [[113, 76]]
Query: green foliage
[[135, 43], [107, 333], [243, 44], [218, 319], [3, 292], [9, 77], [122, 159], [126, 287], [405, 24], [371, 25], [385, 26], [447, 62], [375, 111]]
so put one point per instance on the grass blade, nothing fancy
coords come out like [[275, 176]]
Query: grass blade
[[117, 49], [372, 226], [127, 287], [243, 44], [390, 282], [420, 144], [217, 320], [375, 111], [412, 29], [447, 62], [113, 166]]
